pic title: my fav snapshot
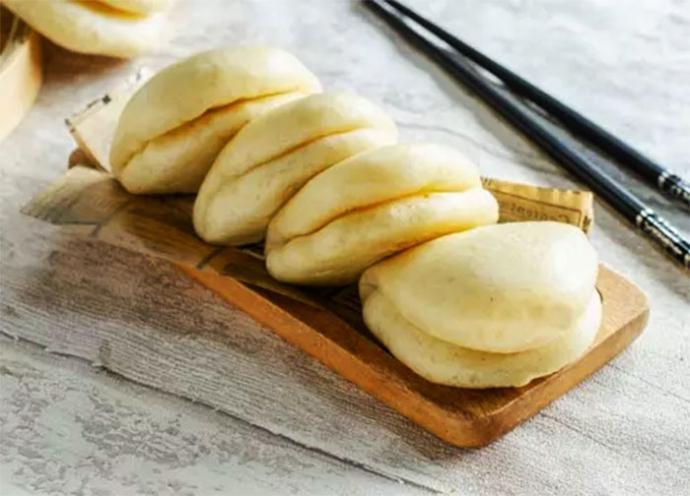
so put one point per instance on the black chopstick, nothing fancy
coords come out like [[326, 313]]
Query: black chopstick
[[622, 200], [653, 173]]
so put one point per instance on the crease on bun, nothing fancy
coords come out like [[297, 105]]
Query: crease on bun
[[504, 288], [138, 6], [371, 206], [276, 154], [174, 126], [92, 27], [445, 363], [496, 306]]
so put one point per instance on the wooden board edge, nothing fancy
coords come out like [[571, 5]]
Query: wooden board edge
[[297, 333], [552, 387], [499, 423]]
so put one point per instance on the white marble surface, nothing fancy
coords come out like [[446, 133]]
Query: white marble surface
[[70, 429]]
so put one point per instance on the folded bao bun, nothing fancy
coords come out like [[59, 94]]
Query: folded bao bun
[[138, 6], [372, 206], [91, 27], [445, 363], [276, 154], [174, 126], [505, 288]]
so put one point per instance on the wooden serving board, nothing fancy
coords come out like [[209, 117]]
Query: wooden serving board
[[326, 323]]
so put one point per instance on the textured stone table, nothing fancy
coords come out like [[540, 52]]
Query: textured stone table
[[70, 425]]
